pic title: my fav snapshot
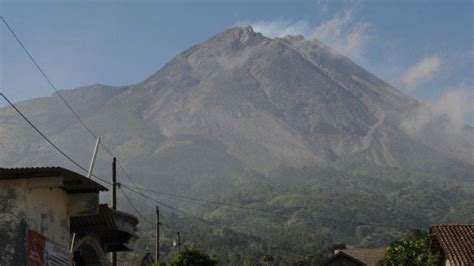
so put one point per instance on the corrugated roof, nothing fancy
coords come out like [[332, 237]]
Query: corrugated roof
[[457, 242], [104, 226], [103, 222], [72, 181]]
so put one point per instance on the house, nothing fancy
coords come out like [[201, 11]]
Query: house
[[146, 260], [454, 243], [52, 216], [356, 257]]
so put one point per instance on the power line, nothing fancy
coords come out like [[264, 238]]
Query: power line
[[40, 69], [135, 208], [208, 223], [141, 215], [144, 195], [134, 189], [48, 140], [45, 76], [102, 144], [177, 196], [263, 211], [154, 200]]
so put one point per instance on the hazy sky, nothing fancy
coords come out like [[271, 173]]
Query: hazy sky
[[424, 48]]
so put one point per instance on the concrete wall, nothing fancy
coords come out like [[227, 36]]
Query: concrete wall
[[39, 204]]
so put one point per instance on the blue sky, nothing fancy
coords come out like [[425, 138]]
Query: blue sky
[[424, 48]]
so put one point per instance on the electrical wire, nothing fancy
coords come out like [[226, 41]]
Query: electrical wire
[[134, 189], [58, 92], [177, 196], [135, 208], [48, 140], [208, 223], [267, 212], [40, 69]]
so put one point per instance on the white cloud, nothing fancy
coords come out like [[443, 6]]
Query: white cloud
[[420, 73], [454, 106], [342, 32]]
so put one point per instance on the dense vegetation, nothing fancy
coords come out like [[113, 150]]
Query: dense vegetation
[[412, 250], [296, 215]]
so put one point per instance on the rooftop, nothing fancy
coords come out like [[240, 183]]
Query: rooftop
[[115, 228], [369, 256], [457, 242], [72, 181]]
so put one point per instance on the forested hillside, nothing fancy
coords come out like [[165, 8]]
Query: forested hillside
[[298, 214]]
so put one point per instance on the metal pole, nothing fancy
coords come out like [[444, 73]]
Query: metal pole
[[157, 234], [71, 249], [91, 166]]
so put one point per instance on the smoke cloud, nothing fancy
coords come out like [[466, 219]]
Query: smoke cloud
[[420, 73], [342, 32], [453, 107]]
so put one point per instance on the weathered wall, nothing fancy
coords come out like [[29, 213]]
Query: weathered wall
[[12, 226], [38, 204], [46, 211]]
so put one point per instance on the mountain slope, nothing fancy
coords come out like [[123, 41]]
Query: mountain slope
[[235, 107]]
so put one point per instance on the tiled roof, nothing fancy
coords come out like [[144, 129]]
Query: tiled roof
[[342, 258], [72, 181], [457, 242], [369, 256]]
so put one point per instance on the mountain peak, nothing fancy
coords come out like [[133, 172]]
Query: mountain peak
[[242, 34]]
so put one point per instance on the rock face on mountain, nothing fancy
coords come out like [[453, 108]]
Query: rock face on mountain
[[237, 101]]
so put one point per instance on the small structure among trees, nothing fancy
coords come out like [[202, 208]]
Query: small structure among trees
[[356, 257]]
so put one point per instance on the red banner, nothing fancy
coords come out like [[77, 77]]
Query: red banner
[[35, 248], [41, 251]]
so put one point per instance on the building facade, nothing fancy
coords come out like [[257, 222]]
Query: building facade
[[52, 216]]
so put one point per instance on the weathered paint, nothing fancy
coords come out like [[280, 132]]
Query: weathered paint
[[39, 204]]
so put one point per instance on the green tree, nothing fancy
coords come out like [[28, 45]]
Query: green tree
[[413, 250], [191, 256]]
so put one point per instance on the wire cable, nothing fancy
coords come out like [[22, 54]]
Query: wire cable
[[135, 208], [134, 189], [208, 223], [48, 140], [58, 92], [40, 69]]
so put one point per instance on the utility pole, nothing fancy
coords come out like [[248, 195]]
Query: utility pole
[[178, 240], [114, 184], [114, 201], [157, 234]]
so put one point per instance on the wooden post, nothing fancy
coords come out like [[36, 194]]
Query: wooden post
[[114, 184], [157, 234], [178, 240], [114, 201]]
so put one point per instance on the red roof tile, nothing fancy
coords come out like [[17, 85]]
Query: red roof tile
[[457, 242], [369, 256]]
